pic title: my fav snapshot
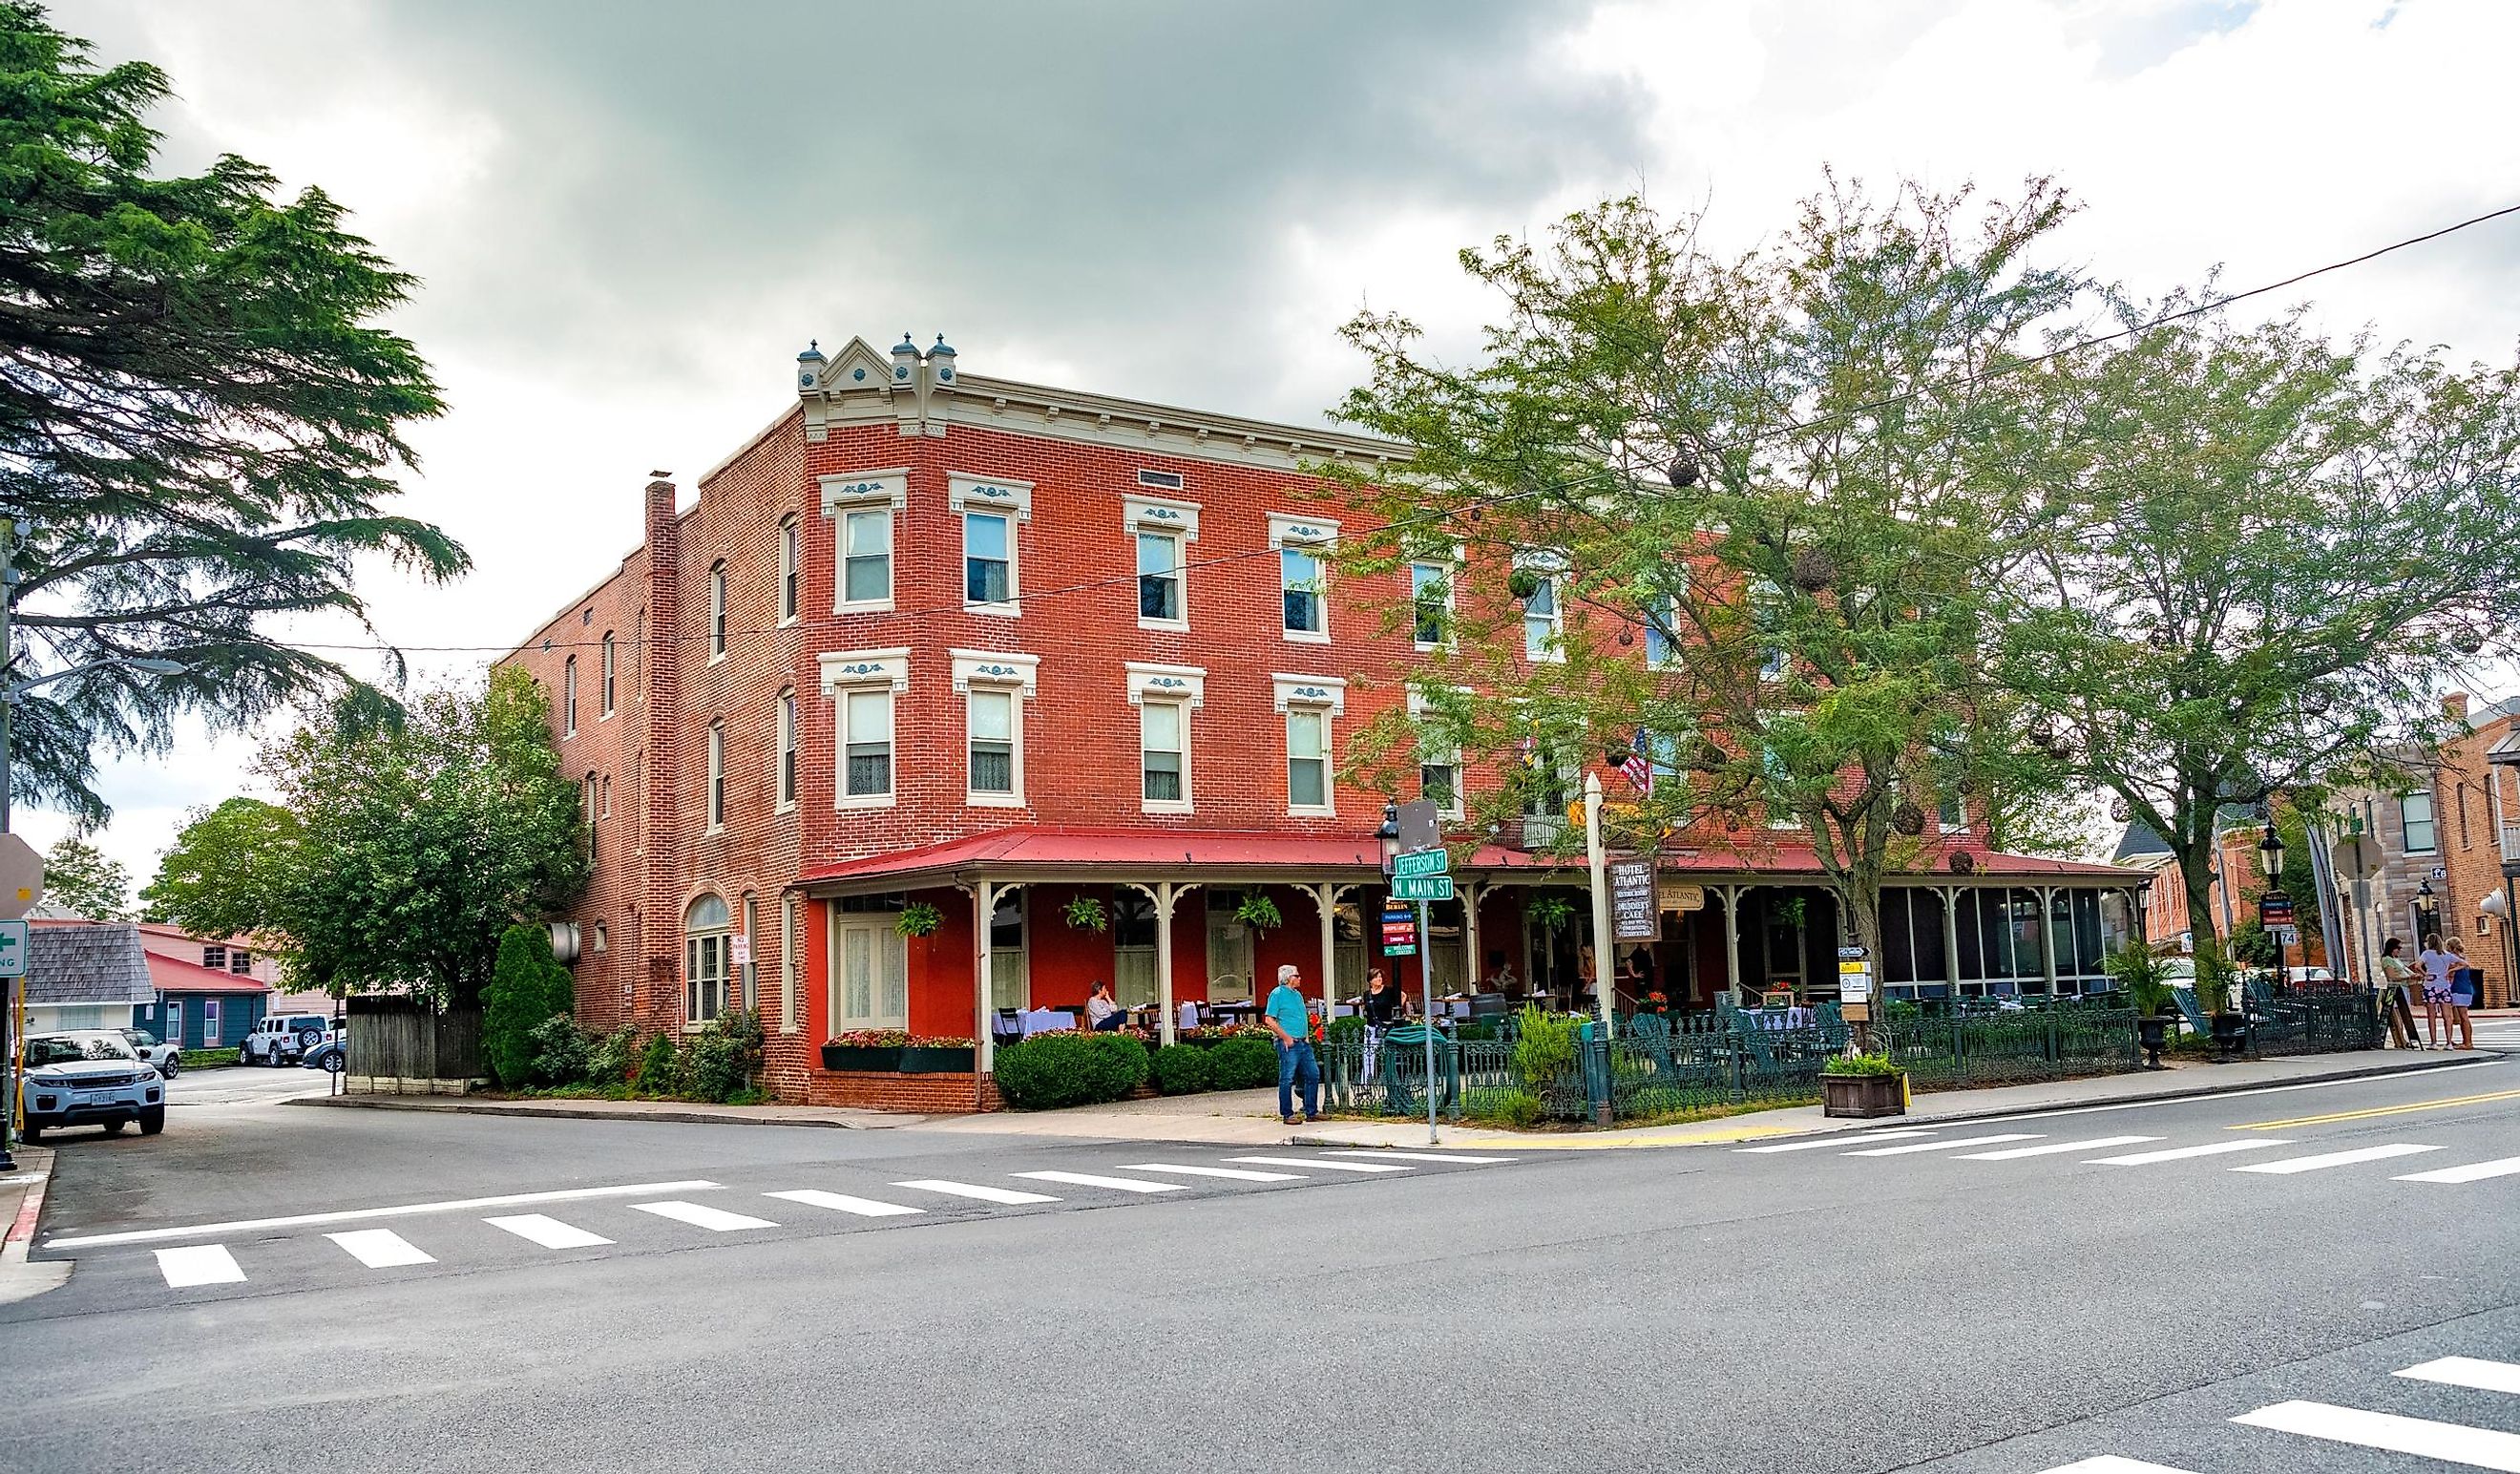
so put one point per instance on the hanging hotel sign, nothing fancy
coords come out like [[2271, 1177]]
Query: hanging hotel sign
[[1679, 895], [1634, 915]]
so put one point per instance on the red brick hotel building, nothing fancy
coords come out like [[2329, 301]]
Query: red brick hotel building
[[988, 648]]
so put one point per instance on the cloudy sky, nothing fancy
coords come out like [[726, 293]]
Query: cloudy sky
[[629, 218]]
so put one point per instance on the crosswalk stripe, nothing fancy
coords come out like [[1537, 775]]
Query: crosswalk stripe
[[1419, 1156], [1898, 1152], [2095, 1144], [550, 1232], [1088, 1179], [2451, 1443], [198, 1264], [1837, 1140], [2473, 1172], [2182, 1154], [701, 1215], [984, 1194], [1327, 1164], [1234, 1173], [379, 1248], [2291, 1165], [2469, 1371], [841, 1202], [2110, 1463]]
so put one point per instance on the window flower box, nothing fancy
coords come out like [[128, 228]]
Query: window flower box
[[938, 1056], [862, 1057]]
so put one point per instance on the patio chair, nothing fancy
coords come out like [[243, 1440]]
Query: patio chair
[[1190, 1015], [2189, 1009]]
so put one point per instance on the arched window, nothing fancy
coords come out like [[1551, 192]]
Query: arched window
[[717, 612], [569, 696], [709, 947]]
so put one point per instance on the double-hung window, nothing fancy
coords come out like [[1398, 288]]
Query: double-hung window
[[791, 570], [1160, 578], [717, 612], [611, 673], [2416, 810], [1662, 623], [786, 749], [1543, 573], [861, 506], [1303, 549], [862, 686], [1439, 761], [1430, 605], [1164, 695], [716, 777], [993, 512], [994, 688], [1310, 704], [1159, 531], [569, 696]]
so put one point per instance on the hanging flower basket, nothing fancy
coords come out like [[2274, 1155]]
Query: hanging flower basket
[[1085, 913], [917, 920], [1256, 911]]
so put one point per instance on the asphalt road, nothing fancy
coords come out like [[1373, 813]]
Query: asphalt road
[[1690, 1309]]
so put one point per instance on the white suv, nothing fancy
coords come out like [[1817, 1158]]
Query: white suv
[[283, 1038], [89, 1077]]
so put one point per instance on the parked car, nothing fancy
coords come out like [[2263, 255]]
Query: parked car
[[167, 1058], [283, 1039], [90, 1077], [330, 1056]]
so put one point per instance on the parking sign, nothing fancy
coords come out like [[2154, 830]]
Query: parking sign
[[13, 949]]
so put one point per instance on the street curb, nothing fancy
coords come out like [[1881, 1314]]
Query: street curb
[[1490, 1139], [21, 1280], [449, 1105]]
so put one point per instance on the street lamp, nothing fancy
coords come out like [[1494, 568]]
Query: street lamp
[[2271, 857], [1388, 836]]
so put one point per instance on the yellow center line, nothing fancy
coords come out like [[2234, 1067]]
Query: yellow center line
[[2377, 1110]]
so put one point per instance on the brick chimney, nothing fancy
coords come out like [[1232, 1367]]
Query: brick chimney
[[2455, 706], [660, 938]]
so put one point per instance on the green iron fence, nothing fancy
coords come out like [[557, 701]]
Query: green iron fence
[[2013, 1048], [2313, 1024]]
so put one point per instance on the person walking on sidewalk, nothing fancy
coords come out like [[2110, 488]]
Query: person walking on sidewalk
[[2396, 975], [2437, 965], [1293, 1022]]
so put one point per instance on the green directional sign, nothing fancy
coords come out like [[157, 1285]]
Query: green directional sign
[[1421, 887], [1421, 862]]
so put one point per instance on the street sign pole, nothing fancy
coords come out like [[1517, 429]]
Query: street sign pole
[[1426, 990], [1604, 949]]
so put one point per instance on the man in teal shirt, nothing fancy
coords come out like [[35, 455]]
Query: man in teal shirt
[[1292, 1023]]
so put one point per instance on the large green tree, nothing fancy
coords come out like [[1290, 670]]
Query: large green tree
[[1802, 473], [85, 882], [2268, 552], [199, 420], [409, 840]]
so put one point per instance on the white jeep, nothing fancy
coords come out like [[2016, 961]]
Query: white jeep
[[283, 1038]]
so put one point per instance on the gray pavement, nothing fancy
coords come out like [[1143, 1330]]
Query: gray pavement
[[1849, 1305]]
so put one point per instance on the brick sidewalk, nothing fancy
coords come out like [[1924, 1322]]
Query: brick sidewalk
[[22, 1202]]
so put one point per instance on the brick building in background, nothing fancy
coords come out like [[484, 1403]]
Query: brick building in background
[[930, 642]]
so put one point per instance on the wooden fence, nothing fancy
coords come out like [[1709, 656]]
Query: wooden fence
[[404, 1045]]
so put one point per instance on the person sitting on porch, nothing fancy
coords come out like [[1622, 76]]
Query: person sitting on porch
[[1501, 978], [1103, 1012]]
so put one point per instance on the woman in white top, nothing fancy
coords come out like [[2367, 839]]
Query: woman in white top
[[2437, 965]]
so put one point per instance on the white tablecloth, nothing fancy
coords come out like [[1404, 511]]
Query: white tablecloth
[[1045, 1022]]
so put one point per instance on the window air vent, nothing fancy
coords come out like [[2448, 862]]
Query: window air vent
[[1169, 480]]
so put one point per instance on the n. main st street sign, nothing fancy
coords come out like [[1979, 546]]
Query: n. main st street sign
[[1421, 887]]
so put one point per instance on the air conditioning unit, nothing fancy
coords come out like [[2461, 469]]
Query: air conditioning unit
[[565, 942]]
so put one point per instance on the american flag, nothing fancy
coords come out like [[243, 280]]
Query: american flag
[[1637, 765]]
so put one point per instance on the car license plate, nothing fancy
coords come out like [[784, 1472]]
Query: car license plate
[[92, 1098]]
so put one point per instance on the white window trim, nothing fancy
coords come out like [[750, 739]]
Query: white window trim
[[784, 720], [1670, 598], [1318, 536], [1550, 566], [1327, 694], [1018, 676], [612, 664], [791, 564], [720, 601], [1459, 807], [1000, 497], [845, 671], [1452, 570], [712, 802], [1180, 541], [886, 490], [1182, 685], [569, 696]]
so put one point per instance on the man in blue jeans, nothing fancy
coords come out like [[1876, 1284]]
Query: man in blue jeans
[[1292, 1023]]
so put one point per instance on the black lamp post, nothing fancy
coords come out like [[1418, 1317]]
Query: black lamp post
[[2271, 854], [1388, 836]]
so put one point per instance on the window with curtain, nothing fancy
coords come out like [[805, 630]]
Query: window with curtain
[[992, 719], [988, 557], [1163, 753], [866, 557], [1009, 981], [708, 956], [1133, 947], [866, 744]]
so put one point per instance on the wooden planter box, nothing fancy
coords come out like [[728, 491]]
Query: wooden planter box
[[845, 1056], [1864, 1096], [944, 1060]]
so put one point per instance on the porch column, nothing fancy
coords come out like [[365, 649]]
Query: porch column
[[1951, 936], [1733, 939], [1470, 896], [983, 904], [1326, 899], [1166, 1021], [2047, 933]]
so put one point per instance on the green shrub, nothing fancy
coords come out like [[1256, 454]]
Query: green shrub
[[521, 993], [1546, 1051], [1244, 1063], [1348, 1030], [609, 1057], [1860, 1065], [1510, 1107], [202, 1059], [559, 1051], [1182, 1069], [714, 1067], [660, 1067], [1071, 1068]]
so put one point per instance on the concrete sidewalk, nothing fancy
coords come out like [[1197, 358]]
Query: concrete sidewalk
[[22, 1202], [689, 1111]]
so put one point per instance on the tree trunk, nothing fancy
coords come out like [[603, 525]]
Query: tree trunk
[[1860, 905], [2212, 973]]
